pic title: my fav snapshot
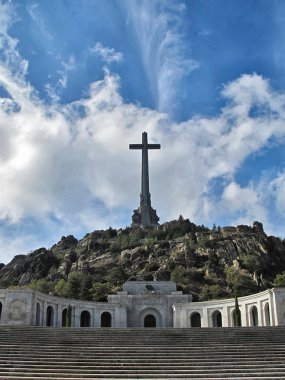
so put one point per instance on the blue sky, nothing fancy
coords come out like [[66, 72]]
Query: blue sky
[[81, 79]]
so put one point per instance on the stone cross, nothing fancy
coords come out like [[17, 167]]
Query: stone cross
[[145, 215]]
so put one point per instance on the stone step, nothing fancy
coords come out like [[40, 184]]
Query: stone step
[[157, 377], [144, 375], [141, 365], [149, 359], [141, 342], [160, 356], [239, 352]]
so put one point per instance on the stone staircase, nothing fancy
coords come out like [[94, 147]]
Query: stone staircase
[[87, 353]]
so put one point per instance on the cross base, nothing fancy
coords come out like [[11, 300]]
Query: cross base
[[145, 217]]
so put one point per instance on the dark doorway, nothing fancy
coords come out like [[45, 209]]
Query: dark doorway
[[150, 321], [64, 318], [195, 320], [106, 319], [50, 316], [0, 309], [217, 319], [85, 319], [254, 316]]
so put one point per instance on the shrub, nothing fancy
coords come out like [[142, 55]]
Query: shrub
[[100, 291], [279, 279]]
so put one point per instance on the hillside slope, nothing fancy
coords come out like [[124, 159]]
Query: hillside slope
[[209, 263]]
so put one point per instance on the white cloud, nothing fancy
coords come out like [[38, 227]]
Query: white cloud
[[244, 203], [161, 41], [277, 186], [107, 54]]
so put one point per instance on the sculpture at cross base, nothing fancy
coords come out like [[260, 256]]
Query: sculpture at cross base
[[145, 215]]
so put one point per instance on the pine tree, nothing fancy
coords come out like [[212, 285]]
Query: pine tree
[[74, 285], [237, 313], [86, 287]]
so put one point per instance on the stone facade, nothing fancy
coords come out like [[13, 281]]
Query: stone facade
[[140, 304], [262, 309], [149, 298]]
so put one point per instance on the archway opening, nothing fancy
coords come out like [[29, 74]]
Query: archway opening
[[106, 319], [64, 318], [38, 314], [217, 319], [195, 319], [267, 314], [254, 316], [0, 309], [85, 319], [150, 321], [50, 316]]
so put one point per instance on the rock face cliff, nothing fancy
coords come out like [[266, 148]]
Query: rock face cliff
[[209, 263]]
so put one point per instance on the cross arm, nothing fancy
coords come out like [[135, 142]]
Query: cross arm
[[135, 146], [153, 146]]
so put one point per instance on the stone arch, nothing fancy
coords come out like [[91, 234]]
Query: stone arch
[[106, 319], [1, 306], [253, 316], [217, 320], [154, 313], [38, 315], [267, 319], [85, 319], [195, 319], [50, 316], [64, 317]]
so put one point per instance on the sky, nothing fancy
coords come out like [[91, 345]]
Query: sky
[[82, 79]]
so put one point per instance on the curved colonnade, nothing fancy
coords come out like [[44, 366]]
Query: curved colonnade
[[136, 306]]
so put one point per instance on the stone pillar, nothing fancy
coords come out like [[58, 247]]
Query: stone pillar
[[260, 313], [45, 313]]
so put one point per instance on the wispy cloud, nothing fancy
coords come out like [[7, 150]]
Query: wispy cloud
[[159, 32], [54, 90], [204, 32], [9, 56], [33, 11], [107, 54]]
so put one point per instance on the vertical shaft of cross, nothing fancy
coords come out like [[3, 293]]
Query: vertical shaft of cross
[[145, 195], [145, 215]]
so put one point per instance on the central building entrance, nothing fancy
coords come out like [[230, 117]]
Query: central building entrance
[[150, 317], [150, 321]]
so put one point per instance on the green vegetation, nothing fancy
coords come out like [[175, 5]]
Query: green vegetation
[[279, 279], [101, 291], [240, 281], [42, 285]]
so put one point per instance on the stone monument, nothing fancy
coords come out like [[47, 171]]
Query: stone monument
[[145, 215]]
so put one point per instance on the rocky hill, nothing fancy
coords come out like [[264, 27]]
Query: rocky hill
[[209, 263]]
